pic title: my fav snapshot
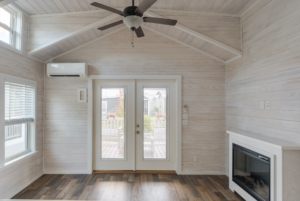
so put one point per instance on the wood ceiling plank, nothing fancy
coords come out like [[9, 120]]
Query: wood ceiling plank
[[106, 2], [53, 6], [92, 41], [89, 5], [45, 6], [177, 4], [224, 5], [161, 4], [199, 35], [199, 6], [113, 3], [240, 6], [27, 7], [215, 6], [169, 4], [37, 6], [74, 41], [75, 5], [92, 34], [74, 33], [83, 5], [185, 4], [184, 44], [86, 36], [192, 5], [6, 2], [60, 5], [189, 39], [68, 5]]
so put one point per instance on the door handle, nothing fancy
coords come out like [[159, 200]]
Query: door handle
[[138, 132]]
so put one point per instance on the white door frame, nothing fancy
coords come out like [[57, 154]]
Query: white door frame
[[133, 77]]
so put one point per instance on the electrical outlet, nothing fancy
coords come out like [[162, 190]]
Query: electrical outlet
[[195, 158], [268, 105]]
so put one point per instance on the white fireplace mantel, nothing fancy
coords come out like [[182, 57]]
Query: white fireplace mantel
[[285, 164]]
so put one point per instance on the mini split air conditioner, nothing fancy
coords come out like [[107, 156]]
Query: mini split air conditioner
[[67, 70]]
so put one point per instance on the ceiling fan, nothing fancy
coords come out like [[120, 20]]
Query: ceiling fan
[[133, 17]]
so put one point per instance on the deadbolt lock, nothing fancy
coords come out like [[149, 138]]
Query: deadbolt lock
[[137, 125]]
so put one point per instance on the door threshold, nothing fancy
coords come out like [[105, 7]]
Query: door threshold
[[134, 172]]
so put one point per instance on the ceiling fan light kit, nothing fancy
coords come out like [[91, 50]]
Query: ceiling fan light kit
[[133, 17], [133, 22]]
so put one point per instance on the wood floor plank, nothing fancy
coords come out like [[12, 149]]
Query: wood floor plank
[[129, 187]]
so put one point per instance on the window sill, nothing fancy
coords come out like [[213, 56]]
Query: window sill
[[11, 48], [19, 159]]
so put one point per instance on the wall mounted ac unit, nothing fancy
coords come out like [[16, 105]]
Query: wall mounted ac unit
[[67, 70]]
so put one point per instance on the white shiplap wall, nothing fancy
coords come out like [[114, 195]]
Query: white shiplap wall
[[18, 175], [203, 91], [268, 71]]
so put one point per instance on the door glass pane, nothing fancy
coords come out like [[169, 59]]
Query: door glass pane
[[155, 133], [113, 126], [4, 35], [15, 139]]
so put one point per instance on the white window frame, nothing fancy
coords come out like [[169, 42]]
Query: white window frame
[[31, 126], [15, 29]]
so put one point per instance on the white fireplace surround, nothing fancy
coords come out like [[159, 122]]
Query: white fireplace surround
[[285, 164]]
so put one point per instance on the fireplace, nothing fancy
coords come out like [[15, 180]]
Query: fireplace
[[251, 171]]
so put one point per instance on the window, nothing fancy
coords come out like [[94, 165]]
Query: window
[[104, 108], [18, 118], [10, 26]]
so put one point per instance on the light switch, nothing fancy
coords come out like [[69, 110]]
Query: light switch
[[185, 116], [268, 105], [185, 122], [262, 104], [195, 158]]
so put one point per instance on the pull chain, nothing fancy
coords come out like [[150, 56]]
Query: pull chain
[[132, 41]]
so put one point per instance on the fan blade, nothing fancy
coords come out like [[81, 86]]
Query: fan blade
[[139, 32], [110, 25], [160, 21], [108, 8], [144, 6]]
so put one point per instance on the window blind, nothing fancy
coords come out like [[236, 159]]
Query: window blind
[[19, 103]]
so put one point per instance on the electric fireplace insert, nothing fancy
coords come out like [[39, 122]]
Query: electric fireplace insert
[[251, 171]]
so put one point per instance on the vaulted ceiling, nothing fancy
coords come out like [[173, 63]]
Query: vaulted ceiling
[[210, 27]]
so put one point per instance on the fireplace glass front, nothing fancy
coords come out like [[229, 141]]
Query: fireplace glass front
[[251, 171]]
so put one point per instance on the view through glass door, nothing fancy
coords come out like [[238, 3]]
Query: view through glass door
[[132, 128]]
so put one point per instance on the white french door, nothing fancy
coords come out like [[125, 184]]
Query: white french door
[[155, 123], [134, 126]]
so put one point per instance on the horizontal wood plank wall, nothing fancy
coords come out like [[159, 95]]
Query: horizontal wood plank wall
[[20, 174], [47, 29], [203, 91], [268, 71], [220, 28]]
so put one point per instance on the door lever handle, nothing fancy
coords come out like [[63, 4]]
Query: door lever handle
[[138, 132]]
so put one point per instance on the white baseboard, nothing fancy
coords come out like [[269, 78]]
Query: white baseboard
[[201, 173], [66, 172], [27, 184]]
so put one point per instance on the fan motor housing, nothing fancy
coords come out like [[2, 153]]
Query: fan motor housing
[[130, 11]]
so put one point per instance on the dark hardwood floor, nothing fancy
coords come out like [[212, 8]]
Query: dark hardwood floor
[[154, 187]]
